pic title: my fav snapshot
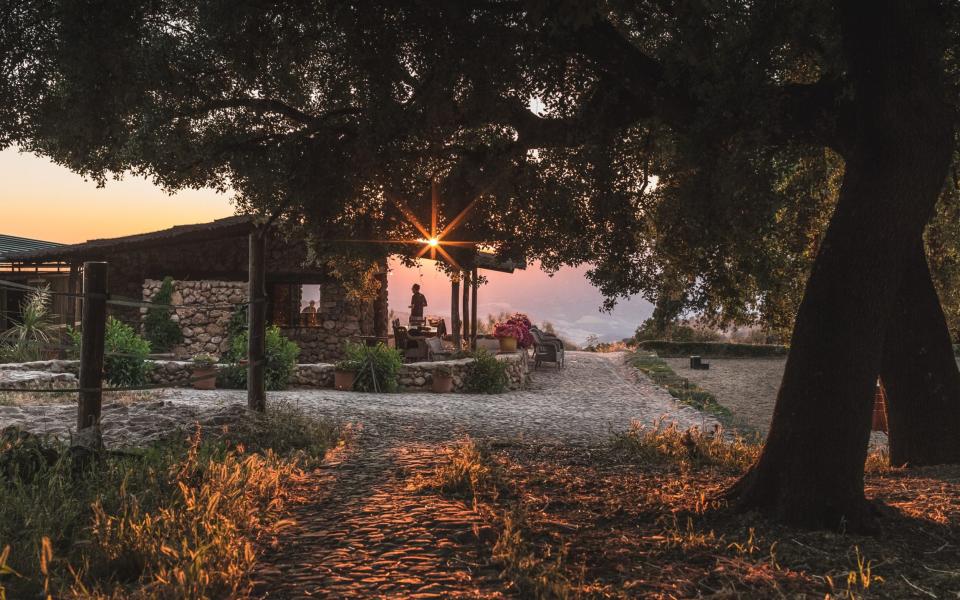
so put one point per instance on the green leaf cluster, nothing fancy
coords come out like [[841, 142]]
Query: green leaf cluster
[[486, 374], [36, 327], [159, 328], [281, 360], [377, 368], [125, 354]]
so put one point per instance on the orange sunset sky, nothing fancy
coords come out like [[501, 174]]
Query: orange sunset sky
[[45, 201]]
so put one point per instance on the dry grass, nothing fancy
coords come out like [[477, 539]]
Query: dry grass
[[690, 448], [181, 519], [469, 473], [36, 399], [466, 472], [640, 518]]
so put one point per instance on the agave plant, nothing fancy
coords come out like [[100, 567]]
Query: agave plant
[[36, 327]]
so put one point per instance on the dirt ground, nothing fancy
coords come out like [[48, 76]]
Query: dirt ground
[[747, 386]]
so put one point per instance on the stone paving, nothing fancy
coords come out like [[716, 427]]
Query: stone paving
[[592, 397], [363, 529]]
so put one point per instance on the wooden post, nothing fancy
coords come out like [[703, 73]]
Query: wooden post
[[71, 315], [381, 319], [455, 309], [94, 325], [473, 310], [466, 307], [257, 323]]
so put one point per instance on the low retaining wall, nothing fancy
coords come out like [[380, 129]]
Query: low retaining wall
[[177, 373], [419, 376]]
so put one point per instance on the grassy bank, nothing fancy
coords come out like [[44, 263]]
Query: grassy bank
[[670, 349], [179, 519], [680, 388]]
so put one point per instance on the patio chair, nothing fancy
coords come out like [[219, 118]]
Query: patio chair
[[413, 347], [436, 350], [546, 348]]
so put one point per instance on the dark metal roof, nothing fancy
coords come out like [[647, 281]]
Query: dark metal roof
[[221, 228], [490, 262], [227, 227], [11, 244]]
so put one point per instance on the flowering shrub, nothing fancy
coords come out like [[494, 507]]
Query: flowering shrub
[[517, 326]]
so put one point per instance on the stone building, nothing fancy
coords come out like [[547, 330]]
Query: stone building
[[208, 263]]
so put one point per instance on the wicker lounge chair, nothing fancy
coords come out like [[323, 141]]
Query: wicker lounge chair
[[546, 348]]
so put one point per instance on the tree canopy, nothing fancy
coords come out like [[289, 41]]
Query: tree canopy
[[679, 147], [707, 154]]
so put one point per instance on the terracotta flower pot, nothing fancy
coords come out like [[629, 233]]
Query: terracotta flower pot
[[442, 384], [343, 380], [205, 378], [508, 344]]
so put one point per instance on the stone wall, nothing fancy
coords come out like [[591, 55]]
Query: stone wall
[[209, 305], [208, 308], [177, 373], [173, 373], [419, 376]]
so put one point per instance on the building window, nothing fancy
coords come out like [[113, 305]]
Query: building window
[[295, 305]]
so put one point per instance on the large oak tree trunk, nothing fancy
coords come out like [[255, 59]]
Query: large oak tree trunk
[[920, 372], [897, 152]]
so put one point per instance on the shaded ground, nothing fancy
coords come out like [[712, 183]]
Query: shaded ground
[[570, 515], [607, 525]]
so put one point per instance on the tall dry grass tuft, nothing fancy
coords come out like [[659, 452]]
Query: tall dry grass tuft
[[467, 472], [179, 519], [200, 542], [692, 447]]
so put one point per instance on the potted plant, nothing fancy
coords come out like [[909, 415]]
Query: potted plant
[[204, 372], [443, 379], [344, 374], [507, 334]]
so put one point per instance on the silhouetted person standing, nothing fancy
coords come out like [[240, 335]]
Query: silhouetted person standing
[[417, 304]]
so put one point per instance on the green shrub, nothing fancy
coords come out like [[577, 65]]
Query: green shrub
[[125, 355], [486, 374], [670, 349], [281, 358], [158, 327], [377, 367], [24, 341]]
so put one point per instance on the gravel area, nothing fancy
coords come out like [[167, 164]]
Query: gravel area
[[592, 397], [747, 386]]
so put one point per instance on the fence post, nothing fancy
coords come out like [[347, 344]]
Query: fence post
[[465, 317], [473, 310], [256, 367], [93, 324], [455, 308]]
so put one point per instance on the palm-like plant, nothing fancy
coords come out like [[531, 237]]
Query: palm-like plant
[[36, 327]]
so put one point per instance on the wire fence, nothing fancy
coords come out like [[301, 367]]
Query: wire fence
[[73, 350], [117, 300]]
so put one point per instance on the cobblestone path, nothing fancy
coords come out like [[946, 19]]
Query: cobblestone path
[[365, 531], [592, 397]]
